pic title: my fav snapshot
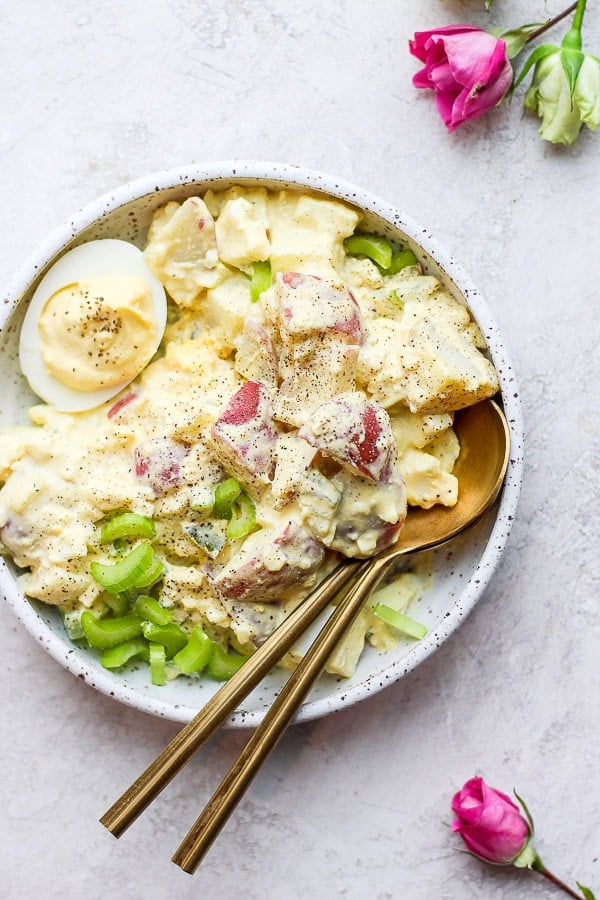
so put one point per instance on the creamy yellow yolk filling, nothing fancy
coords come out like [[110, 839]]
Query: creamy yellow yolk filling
[[99, 332]]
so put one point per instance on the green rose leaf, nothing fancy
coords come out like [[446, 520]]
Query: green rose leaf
[[538, 54], [528, 815], [586, 892], [572, 61]]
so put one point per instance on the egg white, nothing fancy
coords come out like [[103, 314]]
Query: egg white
[[107, 256]]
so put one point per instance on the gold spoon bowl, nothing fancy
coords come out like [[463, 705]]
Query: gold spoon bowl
[[480, 469]]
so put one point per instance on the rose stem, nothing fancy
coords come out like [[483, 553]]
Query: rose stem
[[555, 880], [549, 24], [578, 18]]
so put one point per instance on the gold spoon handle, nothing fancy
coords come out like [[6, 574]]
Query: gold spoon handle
[[210, 822], [191, 737]]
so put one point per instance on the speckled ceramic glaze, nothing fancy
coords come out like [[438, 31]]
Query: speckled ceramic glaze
[[461, 569]]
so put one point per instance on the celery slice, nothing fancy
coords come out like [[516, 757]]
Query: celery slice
[[158, 668], [400, 621], [225, 494], [195, 655], [373, 246], [171, 636], [73, 627], [119, 603], [400, 260], [114, 657], [243, 518], [153, 573], [233, 503], [222, 665], [105, 633], [127, 525], [261, 279], [127, 572], [150, 610]]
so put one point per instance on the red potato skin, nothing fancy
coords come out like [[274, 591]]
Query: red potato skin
[[364, 452], [244, 436], [243, 406], [247, 578], [354, 431], [121, 404], [323, 298], [158, 462]]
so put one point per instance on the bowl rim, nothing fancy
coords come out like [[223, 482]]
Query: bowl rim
[[237, 171]]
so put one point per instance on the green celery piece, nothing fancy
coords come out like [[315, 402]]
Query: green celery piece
[[152, 574], [400, 260], [127, 525], [158, 669], [261, 279], [396, 299], [399, 621], [127, 572], [225, 494], [171, 636], [72, 621], [222, 665], [373, 246], [150, 610], [119, 603], [195, 655], [105, 633], [117, 656], [243, 518]]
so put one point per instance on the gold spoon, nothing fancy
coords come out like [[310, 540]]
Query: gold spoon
[[481, 467]]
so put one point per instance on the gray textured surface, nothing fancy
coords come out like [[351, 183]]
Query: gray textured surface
[[357, 805]]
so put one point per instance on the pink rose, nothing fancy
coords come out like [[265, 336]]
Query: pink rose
[[490, 824], [467, 68]]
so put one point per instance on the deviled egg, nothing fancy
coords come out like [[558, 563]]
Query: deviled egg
[[94, 322]]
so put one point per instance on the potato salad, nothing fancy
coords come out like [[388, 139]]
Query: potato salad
[[176, 508]]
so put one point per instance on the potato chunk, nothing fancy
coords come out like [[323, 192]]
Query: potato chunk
[[182, 250]]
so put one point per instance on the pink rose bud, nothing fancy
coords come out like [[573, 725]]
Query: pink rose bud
[[490, 824], [467, 68]]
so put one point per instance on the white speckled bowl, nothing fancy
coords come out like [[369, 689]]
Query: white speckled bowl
[[461, 570]]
